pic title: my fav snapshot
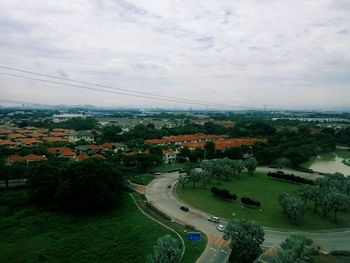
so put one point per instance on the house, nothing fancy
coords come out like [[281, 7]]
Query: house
[[8, 143], [27, 158], [64, 117], [120, 147], [64, 152], [82, 136], [169, 156]]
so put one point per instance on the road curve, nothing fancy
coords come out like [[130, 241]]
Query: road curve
[[217, 249]]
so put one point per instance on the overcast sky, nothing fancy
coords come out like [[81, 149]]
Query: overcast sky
[[283, 54]]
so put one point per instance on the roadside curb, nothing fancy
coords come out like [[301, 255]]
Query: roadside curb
[[182, 241]]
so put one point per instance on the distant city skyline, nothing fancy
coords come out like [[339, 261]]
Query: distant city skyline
[[282, 54]]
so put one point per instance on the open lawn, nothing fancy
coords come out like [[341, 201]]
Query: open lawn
[[29, 235], [263, 189]]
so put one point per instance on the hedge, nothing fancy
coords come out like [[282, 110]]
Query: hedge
[[250, 202], [290, 177], [224, 193]]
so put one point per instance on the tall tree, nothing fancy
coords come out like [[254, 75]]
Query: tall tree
[[305, 192], [336, 202], [194, 175], [296, 248], [291, 206], [251, 163], [246, 238], [167, 250]]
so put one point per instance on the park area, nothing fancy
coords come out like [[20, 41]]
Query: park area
[[265, 190], [28, 234]]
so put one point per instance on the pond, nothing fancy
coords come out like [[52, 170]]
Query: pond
[[330, 162]]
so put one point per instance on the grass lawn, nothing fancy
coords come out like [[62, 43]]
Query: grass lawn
[[29, 235], [331, 259], [193, 248], [264, 189], [143, 179], [164, 168]]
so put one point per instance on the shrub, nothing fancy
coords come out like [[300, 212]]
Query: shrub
[[340, 253], [224, 193], [250, 202], [290, 177]]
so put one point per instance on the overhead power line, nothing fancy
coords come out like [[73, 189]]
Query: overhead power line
[[113, 92], [129, 92]]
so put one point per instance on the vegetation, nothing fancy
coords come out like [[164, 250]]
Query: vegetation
[[245, 240], [291, 206], [266, 191], [29, 234], [224, 193], [167, 250], [296, 248], [289, 177]]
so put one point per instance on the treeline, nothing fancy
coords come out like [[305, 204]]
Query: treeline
[[78, 187], [290, 177]]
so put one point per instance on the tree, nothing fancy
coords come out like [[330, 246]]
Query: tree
[[251, 163], [183, 179], [296, 248], [92, 184], [305, 192], [240, 167], [167, 250], [209, 150], [246, 237], [194, 175], [291, 206], [336, 202]]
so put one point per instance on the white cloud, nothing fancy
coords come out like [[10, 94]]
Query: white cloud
[[251, 53]]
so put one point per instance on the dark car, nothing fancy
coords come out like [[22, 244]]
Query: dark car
[[169, 186], [184, 208]]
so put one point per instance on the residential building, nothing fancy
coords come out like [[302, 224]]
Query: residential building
[[82, 136]]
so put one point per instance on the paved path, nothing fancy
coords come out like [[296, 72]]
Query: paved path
[[217, 249]]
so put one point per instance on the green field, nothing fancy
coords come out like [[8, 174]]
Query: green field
[[30, 235], [261, 188]]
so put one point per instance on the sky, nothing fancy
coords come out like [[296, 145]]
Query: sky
[[290, 54]]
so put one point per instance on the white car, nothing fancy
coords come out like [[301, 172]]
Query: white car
[[214, 219], [221, 228]]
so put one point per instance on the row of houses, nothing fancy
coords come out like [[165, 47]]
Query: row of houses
[[13, 137]]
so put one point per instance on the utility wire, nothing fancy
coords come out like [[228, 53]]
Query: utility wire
[[114, 92], [121, 89]]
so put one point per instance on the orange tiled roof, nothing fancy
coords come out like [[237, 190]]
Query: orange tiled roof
[[57, 134], [95, 147], [29, 141], [3, 131], [132, 153], [55, 139], [7, 142], [225, 144], [29, 157], [37, 134], [81, 157], [166, 151], [41, 130], [96, 155], [107, 145], [186, 138], [66, 151], [15, 135]]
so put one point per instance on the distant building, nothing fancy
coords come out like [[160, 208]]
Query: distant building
[[64, 117], [169, 156], [82, 136]]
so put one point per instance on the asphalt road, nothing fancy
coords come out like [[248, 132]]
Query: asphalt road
[[217, 250]]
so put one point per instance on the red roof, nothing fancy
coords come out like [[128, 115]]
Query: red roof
[[29, 157], [55, 139], [186, 138], [95, 147], [81, 157], [29, 141], [57, 134], [7, 142], [66, 151], [225, 144], [15, 135], [107, 145]]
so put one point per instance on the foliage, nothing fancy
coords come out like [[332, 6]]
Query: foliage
[[167, 250], [291, 206], [289, 177], [250, 202], [296, 248], [224, 193], [251, 163], [245, 240]]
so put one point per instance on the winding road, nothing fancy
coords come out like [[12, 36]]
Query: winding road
[[217, 249]]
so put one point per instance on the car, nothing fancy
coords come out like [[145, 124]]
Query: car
[[157, 173], [221, 228], [214, 219], [169, 186], [184, 208]]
